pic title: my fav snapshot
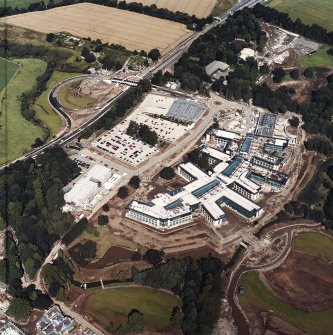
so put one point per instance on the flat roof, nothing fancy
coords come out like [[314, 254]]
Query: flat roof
[[216, 154], [225, 134], [214, 209], [194, 171]]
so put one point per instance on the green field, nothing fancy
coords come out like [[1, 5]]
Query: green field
[[314, 244], [71, 101], [309, 11], [16, 133], [318, 58], [22, 3], [114, 304], [44, 112], [315, 323], [7, 71]]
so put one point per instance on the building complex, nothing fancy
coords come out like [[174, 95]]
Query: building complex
[[240, 167]]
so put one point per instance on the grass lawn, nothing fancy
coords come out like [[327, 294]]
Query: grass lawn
[[314, 244], [114, 304], [309, 11], [7, 71], [315, 323], [71, 101], [318, 58], [44, 111], [16, 133], [222, 6]]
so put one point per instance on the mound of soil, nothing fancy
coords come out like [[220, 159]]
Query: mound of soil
[[303, 281], [112, 256]]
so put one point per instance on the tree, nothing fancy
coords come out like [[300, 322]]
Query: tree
[[264, 69], [278, 74], [154, 256], [294, 74], [54, 288], [85, 52], [135, 323], [50, 37], [154, 54], [106, 207], [19, 309], [103, 220], [294, 122], [42, 302], [308, 73], [167, 173], [134, 182], [122, 192], [90, 58], [177, 318], [88, 250]]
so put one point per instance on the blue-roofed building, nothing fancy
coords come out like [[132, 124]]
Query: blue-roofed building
[[232, 167], [198, 193], [247, 143]]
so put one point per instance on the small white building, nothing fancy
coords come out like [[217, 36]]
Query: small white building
[[247, 53]]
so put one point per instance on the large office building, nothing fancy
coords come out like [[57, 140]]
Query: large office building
[[204, 194]]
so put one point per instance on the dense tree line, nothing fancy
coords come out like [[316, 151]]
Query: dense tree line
[[273, 16], [315, 202], [197, 283], [318, 113], [118, 110], [219, 44], [27, 99], [191, 21], [31, 204], [143, 132]]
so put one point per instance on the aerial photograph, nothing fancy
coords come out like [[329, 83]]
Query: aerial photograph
[[166, 167]]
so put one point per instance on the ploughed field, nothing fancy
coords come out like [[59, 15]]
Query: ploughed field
[[199, 8], [131, 30]]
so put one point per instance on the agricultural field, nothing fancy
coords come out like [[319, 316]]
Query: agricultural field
[[44, 112], [108, 24], [309, 11], [199, 8], [314, 244], [7, 71], [16, 133], [114, 304], [319, 58]]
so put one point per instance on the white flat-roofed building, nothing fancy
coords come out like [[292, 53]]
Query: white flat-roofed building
[[215, 155], [10, 329], [82, 192], [221, 137], [161, 213], [247, 53], [213, 213], [190, 172], [99, 173]]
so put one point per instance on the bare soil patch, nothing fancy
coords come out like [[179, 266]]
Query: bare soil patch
[[132, 30], [303, 281]]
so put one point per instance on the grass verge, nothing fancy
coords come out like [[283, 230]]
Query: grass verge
[[314, 323], [44, 111], [317, 59], [314, 244], [16, 133], [309, 11], [6, 68], [114, 304]]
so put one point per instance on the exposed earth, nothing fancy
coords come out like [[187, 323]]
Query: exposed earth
[[303, 281]]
